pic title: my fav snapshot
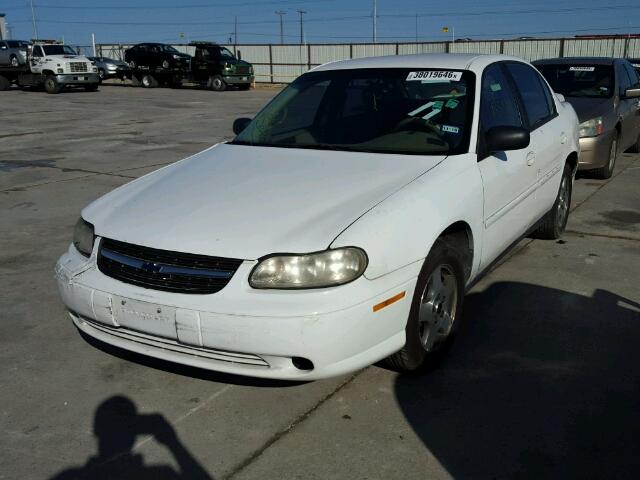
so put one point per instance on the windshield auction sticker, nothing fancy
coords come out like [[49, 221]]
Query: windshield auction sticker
[[582, 69], [435, 76]]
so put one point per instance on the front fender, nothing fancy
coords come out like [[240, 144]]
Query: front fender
[[402, 229]]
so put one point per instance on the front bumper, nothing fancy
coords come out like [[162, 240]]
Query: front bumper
[[238, 79], [594, 151], [78, 78], [240, 330]]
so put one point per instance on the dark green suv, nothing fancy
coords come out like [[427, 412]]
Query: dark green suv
[[217, 67]]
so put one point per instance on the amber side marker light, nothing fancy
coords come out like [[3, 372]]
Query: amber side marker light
[[389, 301]]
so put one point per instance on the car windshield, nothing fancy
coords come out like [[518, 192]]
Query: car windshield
[[407, 111], [58, 50], [579, 80], [226, 53], [17, 44]]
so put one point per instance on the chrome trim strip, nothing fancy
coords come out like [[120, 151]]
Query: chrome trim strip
[[158, 267]]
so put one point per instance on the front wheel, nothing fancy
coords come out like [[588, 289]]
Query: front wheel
[[51, 85], [554, 222], [435, 309], [607, 170], [149, 81], [216, 83], [14, 61]]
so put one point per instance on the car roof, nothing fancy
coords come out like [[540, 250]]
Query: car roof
[[462, 61], [574, 60]]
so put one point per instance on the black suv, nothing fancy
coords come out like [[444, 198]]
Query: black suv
[[156, 57], [216, 67]]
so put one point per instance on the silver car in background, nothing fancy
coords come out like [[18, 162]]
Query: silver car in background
[[605, 93], [110, 68], [13, 52]]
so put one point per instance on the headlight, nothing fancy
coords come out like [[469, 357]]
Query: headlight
[[313, 270], [591, 128], [95, 69], [83, 236]]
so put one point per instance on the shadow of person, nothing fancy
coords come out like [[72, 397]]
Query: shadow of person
[[116, 425], [540, 383]]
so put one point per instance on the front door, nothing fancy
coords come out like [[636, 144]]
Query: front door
[[508, 180]]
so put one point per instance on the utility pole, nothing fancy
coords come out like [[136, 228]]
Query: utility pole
[[281, 13], [33, 20], [301, 12], [93, 44], [235, 30], [375, 20]]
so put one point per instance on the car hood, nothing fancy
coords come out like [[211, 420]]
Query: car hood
[[246, 202], [588, 108]]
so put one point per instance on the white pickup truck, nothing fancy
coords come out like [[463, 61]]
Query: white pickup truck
[[54, 67]]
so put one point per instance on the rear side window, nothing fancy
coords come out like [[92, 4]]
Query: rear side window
[[498, 104], [633, 75], [537, 102]]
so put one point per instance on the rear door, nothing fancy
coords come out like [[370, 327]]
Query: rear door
[[634, 80], [508, 182], [547, 135], [626, 108], [4, 53]]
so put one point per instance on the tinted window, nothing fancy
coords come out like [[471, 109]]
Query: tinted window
[[579, 80], [536, 103], [622, 78], [498, 105], [407, 111], [633, 75], [37, 52]]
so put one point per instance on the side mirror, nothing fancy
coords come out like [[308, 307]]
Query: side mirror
[[632, 93], [239, 124], [501, 139], [560, 97], [239, 53]]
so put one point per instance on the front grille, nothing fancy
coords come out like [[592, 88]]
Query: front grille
[[78, 67], [243, 70], [163, 269]]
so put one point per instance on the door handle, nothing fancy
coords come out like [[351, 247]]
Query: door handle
[[531, 158]]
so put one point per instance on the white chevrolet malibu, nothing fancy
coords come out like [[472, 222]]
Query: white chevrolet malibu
[[340, 227]]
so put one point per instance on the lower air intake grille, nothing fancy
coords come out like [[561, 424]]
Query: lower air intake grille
[[163, 269]]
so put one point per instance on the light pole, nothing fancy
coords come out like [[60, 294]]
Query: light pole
[[375, 20], [281, 13], [33, 20], [301, 12]]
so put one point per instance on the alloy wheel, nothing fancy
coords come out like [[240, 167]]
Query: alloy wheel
[[564, 199], [438, 305]]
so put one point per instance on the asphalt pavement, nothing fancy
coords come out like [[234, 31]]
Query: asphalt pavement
[[543, 380]]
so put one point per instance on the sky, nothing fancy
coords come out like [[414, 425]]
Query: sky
[[325, 21]]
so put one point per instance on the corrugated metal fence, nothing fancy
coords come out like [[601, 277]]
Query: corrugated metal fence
[[283, 63]]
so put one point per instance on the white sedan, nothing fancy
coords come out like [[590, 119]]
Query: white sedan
[[340, 227]]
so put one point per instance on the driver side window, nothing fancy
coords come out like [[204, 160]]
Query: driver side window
[[498, 104], [37, 52]]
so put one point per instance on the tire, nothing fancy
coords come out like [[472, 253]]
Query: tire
[[635, 148], [554, 222], [165, 64], [101, 73], [148, 81], [5, 84], [216, 83], [428, 329], [51, 85], [91, 88], [607, 170], [13, 60], [132, 64]]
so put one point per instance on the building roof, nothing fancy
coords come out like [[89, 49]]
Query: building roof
[[576, 60]]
